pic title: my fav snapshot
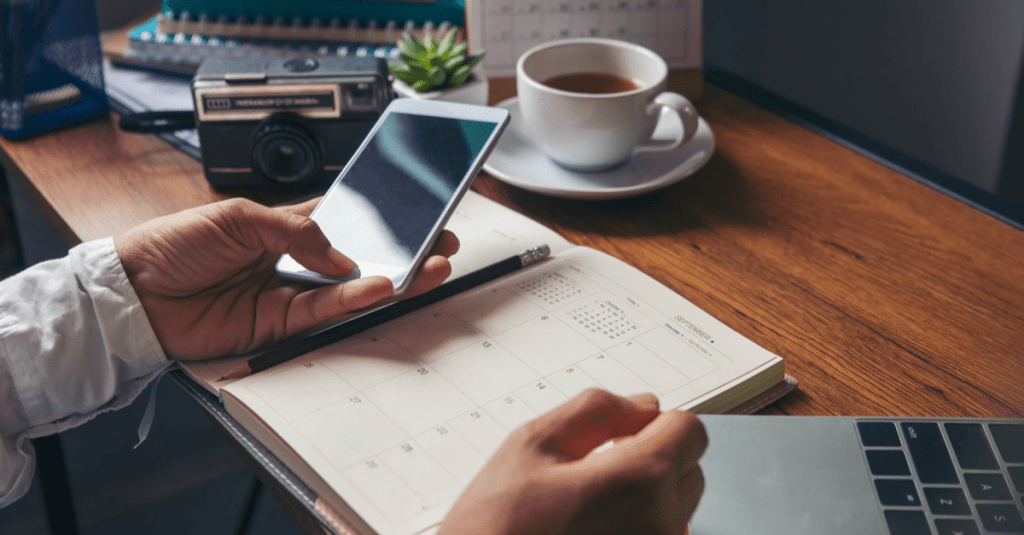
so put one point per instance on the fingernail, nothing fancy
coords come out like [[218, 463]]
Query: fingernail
[[341, 261], [645, 401]]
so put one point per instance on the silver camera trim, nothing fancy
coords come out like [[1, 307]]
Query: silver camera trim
[[266, 91]]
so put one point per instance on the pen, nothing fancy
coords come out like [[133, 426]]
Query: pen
[[294, 348]]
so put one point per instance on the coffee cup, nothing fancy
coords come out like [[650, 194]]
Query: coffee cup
[[591, 103]]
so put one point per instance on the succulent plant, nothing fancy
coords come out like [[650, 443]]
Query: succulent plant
[[431, 64]]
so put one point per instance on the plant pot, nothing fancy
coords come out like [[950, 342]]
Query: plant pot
[[474, 91]]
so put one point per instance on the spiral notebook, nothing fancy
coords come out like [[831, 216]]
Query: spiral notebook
[[186, 32], [418, 11]]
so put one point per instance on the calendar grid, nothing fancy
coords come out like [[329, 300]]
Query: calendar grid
[[576, 305], [507, 28], [407, 413], [429, 413]]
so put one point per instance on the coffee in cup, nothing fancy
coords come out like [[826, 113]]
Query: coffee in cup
[[592, 82], [591, 103]]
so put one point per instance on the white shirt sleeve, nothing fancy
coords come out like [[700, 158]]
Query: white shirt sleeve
[[74, 342]]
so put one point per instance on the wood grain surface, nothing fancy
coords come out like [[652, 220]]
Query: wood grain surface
[[882, 295]]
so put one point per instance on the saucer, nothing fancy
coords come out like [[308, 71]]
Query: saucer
[[516, 160]]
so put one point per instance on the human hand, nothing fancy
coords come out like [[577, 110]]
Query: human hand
[[206, 277], [545, 479]]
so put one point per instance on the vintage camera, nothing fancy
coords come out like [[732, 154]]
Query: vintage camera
[[285, 123]]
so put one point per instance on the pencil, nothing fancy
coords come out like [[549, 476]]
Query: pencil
[[294, 348]]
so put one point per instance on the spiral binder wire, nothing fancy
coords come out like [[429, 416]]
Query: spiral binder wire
[[179, 42]]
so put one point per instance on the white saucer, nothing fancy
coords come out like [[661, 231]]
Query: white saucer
[[517, 161]]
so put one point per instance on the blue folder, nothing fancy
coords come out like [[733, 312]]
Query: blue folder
[[51, 67]]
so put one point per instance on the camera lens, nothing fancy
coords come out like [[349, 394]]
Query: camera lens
[[285, 152]]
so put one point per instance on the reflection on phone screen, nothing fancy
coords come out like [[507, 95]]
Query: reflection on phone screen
[[393, 193]]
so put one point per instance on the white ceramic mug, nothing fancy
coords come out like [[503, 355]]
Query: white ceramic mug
[[597, 131]]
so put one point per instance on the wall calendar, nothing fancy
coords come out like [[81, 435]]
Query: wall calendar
[[507, 28]]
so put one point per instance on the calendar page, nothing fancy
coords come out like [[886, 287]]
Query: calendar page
[[488, 232], [507, 28], [396, 421]]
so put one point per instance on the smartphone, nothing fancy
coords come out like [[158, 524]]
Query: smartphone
[[391, 201]]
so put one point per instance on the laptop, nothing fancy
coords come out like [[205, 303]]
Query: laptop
[[802, 475]]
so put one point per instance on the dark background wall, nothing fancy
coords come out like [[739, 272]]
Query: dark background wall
[[934, 79], [113, 14]]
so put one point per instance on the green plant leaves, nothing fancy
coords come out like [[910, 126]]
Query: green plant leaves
[[412, 74], [437, 75], [472, 61], [409, 59], [454, 63], [445, 47], [460, 76], [409, 45], [430, 64]]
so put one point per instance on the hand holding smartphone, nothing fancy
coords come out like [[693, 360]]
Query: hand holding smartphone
[[391, 201]]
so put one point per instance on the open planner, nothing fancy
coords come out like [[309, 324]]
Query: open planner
[[390, 425]]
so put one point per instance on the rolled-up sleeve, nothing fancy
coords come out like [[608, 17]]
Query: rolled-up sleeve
[[74, 342]]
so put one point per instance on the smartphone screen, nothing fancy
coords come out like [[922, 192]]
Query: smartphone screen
[[390, 202]]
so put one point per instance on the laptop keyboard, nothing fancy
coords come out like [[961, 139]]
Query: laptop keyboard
[[947, 477]]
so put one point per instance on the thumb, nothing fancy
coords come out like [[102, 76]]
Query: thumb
[[670, 445], [591, 419], [303, 208], [280, 231]]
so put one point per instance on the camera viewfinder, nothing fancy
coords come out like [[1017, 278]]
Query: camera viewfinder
[[361, 97]]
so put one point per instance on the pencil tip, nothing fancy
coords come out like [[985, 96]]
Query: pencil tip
[[239, 372]]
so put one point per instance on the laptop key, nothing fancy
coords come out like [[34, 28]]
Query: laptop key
[[878, 434], [1009, 439], [929, 453], [888, 462], [971, 446], [956, 527], [897, 492], [1000, 517], [947, 501], [987, 486], [1017, 475], [907, 522]]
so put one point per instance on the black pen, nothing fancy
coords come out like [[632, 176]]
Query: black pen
[[294, 348]]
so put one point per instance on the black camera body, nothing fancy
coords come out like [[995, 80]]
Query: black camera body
[[283, 123]]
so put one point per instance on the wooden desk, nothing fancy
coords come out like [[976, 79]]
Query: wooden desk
[[883, 296]]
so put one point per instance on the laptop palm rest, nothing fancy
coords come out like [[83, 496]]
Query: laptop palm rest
[[785, 475]]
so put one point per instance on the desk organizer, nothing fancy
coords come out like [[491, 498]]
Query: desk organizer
[[51, 66]]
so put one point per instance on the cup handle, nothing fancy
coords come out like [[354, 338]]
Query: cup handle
[[686, 112]]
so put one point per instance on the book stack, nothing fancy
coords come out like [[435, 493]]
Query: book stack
[[186, 32]]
